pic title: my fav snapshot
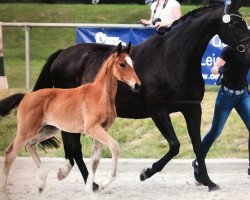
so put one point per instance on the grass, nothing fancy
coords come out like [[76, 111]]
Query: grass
[[141, 139], [137, 138]]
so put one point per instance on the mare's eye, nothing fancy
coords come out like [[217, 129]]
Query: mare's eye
[[122, 65]]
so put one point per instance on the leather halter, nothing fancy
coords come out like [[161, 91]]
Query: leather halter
[[227, 20]]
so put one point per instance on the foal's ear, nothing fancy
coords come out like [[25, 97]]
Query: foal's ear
[[119, 48], [128, 48]]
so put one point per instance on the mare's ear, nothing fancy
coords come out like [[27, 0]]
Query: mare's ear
[[128, 48], [119, 48], [235, 4]]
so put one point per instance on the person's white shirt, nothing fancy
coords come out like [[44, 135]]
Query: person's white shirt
[[166, 13]]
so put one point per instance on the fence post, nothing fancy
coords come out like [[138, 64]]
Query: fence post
[[27, 55], [3, 78]]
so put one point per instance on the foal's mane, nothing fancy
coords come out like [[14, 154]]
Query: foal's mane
[[105, 67]]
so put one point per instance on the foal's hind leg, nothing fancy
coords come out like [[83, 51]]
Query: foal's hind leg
[[95, 159], [10, 155], [99, 133], [45, 133], [42, 174]]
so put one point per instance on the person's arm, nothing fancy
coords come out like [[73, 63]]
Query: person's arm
[[176, 11], [147, 22], [218, 63]]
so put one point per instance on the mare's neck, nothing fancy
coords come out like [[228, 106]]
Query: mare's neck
[[194, 31], [106, 81]]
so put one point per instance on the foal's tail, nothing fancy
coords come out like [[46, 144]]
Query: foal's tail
[[44, 80], [8, 103]]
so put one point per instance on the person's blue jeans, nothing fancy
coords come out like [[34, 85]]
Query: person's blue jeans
[[224, 104]]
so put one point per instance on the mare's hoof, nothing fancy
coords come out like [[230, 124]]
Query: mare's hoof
[[143, 175], [213, 188], [95, 187]]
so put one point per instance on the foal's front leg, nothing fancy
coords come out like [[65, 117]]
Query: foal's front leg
[[95, 159], [99, 133]]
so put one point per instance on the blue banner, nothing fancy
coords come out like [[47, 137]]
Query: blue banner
[[137, 35]]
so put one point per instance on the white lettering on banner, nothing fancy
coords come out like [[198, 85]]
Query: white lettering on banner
[[210, 76], [216, 42], [205, 76], [209, 61], [104, 39]]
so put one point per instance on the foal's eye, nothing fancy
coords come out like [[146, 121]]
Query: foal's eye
[[122, 65]]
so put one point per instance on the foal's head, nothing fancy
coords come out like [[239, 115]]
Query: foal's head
[[123, 68]]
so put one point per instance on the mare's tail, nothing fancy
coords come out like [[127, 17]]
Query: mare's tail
[[44, 80], [10, 102]]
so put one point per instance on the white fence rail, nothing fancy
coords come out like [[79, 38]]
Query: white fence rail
[[27, 27]]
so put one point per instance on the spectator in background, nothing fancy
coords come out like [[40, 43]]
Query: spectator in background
[[163, 13], [233, 93]]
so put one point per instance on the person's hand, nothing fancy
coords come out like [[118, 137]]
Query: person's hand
[[221, 70], [144, 22], [163, 24], [158, 24]]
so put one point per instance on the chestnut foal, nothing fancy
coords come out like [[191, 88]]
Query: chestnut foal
[[88, 109]]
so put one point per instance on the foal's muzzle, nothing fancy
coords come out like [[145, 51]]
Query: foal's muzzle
[[136, 88]]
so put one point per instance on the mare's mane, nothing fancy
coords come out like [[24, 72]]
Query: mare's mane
[[191, 14]]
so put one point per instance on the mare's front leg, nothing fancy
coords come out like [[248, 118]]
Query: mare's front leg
[[73, 151], [192, 114], [162, 120]]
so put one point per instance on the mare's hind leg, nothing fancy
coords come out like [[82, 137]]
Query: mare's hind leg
[[162, 121], [192, 116], [10, 155], [45, 133], [95, 159], [99, 133]]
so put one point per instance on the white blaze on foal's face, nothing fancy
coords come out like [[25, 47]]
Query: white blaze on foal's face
[[129, 61]]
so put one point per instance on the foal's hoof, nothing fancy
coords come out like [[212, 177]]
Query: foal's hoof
[[95, 187], [143, 175], [3, 188], [40, 189], [213, 187], [60, 175]]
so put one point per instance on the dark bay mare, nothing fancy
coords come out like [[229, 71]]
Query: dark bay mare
[[169, 67]]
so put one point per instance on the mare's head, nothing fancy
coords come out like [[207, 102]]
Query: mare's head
[[123, 68], [233, 30]]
